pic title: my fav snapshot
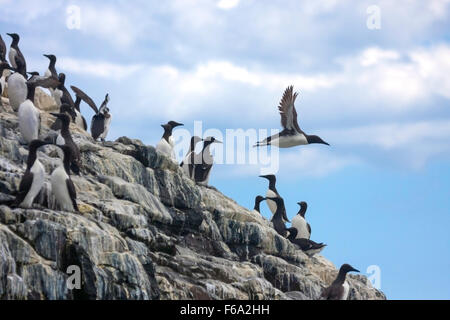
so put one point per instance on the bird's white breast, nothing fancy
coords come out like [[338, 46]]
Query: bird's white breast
[[289, 141], [38, 181], [164, 147], [12, 57], [59, 189], [106, 124], [272, 205], [60, 141], [29, 121], [79, 120], [299, 223], [17, 90], [346, 290]]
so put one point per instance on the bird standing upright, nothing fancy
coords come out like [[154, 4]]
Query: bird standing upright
[[16, 58], [273, 193], [277, 219], [166, 145], [299, 222], [340, 288], [203, 169], [188, 164]]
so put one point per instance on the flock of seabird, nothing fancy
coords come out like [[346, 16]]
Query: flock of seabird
[[21, 87]]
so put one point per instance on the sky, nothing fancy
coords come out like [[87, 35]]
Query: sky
[[373, 79]]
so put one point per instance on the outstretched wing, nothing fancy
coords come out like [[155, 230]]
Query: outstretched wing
[[104, 103], [85, 98], [49, 82], [287, 110]]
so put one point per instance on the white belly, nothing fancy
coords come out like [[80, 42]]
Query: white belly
[[29, 121], [79, 120], [272, 205], [59, 189], [106, 128], [17, 90], [60, 141], [299, 223], [289, 141], [12, 57], [346, 290], [38, 181], [164, 147]]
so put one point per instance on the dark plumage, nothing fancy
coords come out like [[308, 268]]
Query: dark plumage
[[2, 50], [308, 246], [203, 169], [16, 58], [339, 289], [258, 200], [277, 219]]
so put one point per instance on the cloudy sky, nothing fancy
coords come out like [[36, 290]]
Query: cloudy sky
[[379, 195]]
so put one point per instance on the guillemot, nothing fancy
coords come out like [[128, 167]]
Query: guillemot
[[188, 164], [3, 66], [277, 219], [17, 88], [340, 288], [2, 50], [258, 200], [29, 115], [16, 58], [299, 222], [101, 120], [62, 186], [166, 145], [65, 138], [307, 246], [273, 193], [202, 170], [291, 135], [33, 178]]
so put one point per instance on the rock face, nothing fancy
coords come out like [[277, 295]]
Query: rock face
[[145, 231]]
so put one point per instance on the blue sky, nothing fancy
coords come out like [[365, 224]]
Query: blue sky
[[379, 195]]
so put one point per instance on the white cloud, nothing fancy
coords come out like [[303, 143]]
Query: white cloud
[[227, 4]]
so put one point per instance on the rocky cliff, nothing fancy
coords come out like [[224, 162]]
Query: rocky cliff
[[145, 231]]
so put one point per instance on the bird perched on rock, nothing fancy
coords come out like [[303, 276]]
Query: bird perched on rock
[[29, 115], [101, 120], [166, 145], [256, 208], [277, 219], [3, 66], [299, 222], [62, 186], [272, 192], [17, 88], [33, 178], [340, 288], [65, 138], [16, 58], [291, 135], [307, 246], [188, 164], [202, 171], [2, 50]]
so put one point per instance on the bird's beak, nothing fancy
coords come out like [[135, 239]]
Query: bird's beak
[[9, 34], [46, 55], [55, 114], [355, 270], [217, 141]]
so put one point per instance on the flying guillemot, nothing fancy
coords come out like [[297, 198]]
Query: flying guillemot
[[272, 193], [299, 222], [291, 135], [202, 170], [340, 288], [166, 145], [188, 164], [307, 246]]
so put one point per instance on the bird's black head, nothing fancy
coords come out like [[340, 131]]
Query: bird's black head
[[303, 206], [174, 124], [65, 119], [62, 78], [345, 268], [270, 177], [258, 199], [35, 144], [210, 140], [14, 36], [51, 57], [292, 233], [195, 140], [315, 139]]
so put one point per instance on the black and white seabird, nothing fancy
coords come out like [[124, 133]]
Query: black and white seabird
[[340, 288], [101, 120], [299, 222], [17, 88], [291, 135], [33, 178], [62, 186], [65, 138], [277, 219], [166, 145], [189, 162], [202, 170], [2, 50], [16, 58], [272, 193], [29, 115], [256, 208], [307, 246], [51, 71]]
